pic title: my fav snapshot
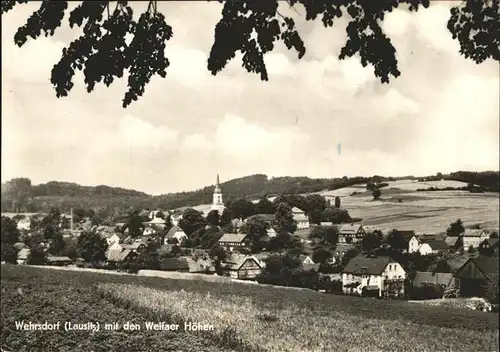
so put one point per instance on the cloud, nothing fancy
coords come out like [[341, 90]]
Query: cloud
[[137, 133]]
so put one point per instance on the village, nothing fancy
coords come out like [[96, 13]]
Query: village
[[279, 246]]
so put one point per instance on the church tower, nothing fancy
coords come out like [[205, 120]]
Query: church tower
[[217, 203]]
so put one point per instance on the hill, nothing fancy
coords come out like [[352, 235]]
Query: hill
[[20, 195]]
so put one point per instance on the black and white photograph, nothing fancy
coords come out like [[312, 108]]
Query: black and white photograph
[[261, 176]]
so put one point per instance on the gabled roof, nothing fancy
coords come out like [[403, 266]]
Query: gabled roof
[[488, 266], [19, 246], [367, 265], [303, 257], [297, 210], [124, 254], [437, 245], [265, 217], [53, 259], [170, 234], [429, 277], [350, 229], [406, 234], [235, 261], [473, 233], [307, 267], [155, 221], [174, 264], [431, 237], [233, 237]]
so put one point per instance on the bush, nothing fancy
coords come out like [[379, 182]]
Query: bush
[[426, 291]]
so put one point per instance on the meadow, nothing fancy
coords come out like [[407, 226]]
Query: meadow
[[425, 212], [245, 317]]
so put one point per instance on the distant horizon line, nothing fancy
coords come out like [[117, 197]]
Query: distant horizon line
[[235, 178]]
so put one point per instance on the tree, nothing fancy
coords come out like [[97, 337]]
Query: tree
[[92, 247], [37, 256], [442, 266], [325, 234], [284, 219], [104, 55], [9, 233], [241, 209], [264, 206], [337, 202], [256, 229], [218, 256], [315, 216], [493, 235], [376, 193], [192, 221], [18, 190], [78, 214], [149, 260], [455, 229], [371, 241], [491, 289], [315, 202], [397, 241], [321, 255], [9, 253], [213, 218], [226, 217], [336, 215], [57, 244], [134, 224]]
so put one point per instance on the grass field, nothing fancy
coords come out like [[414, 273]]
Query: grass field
[[245, 317], [424, 212]]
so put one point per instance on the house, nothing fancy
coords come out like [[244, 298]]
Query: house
[[342, 249], [427, 277], [297, 211], [175, 217], [111, 238], [152, 214], [231, 241], [22, 256], [302, 221], [242, 267], [149, 231], [155, 223], [475, 274], [24, 224], [305, 259], [489, 245], [457, 262], [369, 274], [431, 237], [353, 231], [472, 237], [137, 245], [271, 232], [309, 267], [432, 247], [175, 233], [119, 226], [59, 261], [19, 245], [451, 241], [119, 256], [175, 264], [411, 239]]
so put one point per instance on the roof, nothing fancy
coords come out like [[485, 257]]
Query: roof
[[429, 277], [173, 231], [233, 237], [437, 245], [308, 267], [367, 265], [451, 241], [407, 234], [473, 233], [174, 264], [431, 237], [235, 261], [297, 210], [350, 228], [155, 221], [58, 259], [265, 217], [124, 254], [493, 242], [106, 229], [20, 245], [344, 247], [488, 265], [303, 257], [457, 262], [300, 218]]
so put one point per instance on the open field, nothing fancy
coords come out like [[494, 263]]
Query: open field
[[424, 212], [244, 317]]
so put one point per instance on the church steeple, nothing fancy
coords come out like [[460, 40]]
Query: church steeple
[[218, 182], [218, 203], [217, 186]]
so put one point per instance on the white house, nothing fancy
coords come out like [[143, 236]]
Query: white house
[[381, 275], [242, 266], [302, 221], [413, 244], [112, 238], [432, 247], [297, 211], [305, 259], [473, 237], [175, 218], [24, 224], [175, 232], [354, 231]]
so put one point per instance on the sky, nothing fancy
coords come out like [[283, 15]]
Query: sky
[[440, 115]]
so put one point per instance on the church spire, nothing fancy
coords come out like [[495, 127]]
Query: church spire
[[218, 182]]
